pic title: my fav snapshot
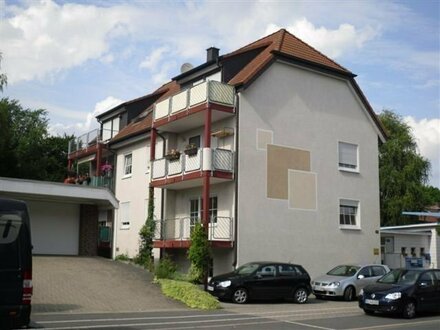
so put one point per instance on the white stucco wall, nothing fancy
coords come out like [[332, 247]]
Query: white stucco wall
[[309, 111], [134, 189]]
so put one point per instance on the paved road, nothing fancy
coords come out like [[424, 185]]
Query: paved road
[[292, 318]]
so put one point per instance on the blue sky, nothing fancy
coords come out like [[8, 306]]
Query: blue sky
[[79, 58]]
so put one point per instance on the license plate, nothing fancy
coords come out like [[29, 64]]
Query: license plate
[[318, 288], [371, 302], [210, 288]]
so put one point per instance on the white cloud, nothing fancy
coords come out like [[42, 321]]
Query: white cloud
[[333, 43], [46, 38], [427, 134], [89, 122], [151, 61]]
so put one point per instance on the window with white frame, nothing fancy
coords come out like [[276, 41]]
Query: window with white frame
[[124, 215], [196, 209], [128, 159], [349, 213], [348, 156]]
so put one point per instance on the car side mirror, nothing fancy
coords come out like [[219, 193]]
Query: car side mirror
[[360, 277]]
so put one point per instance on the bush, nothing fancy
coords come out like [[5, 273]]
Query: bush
[[199, 253], [122, 257], [189, 294], [165, 269]]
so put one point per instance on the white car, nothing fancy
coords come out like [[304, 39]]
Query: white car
[[347, 280]]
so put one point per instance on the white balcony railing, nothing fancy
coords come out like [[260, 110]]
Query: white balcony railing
[[220, 228], [90, 138], [217, 160], [209, 91]]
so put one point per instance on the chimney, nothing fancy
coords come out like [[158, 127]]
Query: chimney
[[212, 54]]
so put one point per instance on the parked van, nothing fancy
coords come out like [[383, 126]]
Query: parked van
[[15, 264]]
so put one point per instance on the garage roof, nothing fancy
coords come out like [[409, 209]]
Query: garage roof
[[53, 191]]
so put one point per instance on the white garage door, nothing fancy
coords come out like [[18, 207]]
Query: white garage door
[[55, 227]]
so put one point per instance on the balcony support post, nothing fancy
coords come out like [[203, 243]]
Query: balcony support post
[[206, 175], [153, 144], [98, 159]]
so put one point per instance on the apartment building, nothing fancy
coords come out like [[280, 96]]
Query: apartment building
[[272, 147]]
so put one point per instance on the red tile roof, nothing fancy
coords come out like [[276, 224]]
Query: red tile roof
[[144, 124], [284, 43], [279, 43]]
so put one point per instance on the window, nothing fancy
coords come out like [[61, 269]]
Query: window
[[403, 250], [413, 251], [267, 271], [378, 271], [349, 213], [128, 164], [125, 215], [196, 209], [348, 157], [196, 140], [422, 251], [365, 272]]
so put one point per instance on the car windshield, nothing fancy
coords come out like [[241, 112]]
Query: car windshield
[[400, 276], [344, 270], [247, 269]]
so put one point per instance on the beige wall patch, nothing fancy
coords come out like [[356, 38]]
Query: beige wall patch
[[302, 190], [279, 160], [264, 138]]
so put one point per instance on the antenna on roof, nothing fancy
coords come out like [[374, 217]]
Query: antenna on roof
[[186, 67]]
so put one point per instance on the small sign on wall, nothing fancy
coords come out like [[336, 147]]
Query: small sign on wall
[[376, 251]]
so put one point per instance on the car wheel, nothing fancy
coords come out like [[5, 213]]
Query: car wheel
[[409, 310], [240, 296], [349, 293], [300, 296]]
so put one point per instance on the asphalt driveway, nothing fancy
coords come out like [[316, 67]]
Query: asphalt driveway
[[90, 285]]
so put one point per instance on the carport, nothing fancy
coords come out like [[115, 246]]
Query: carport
[[65, 219]]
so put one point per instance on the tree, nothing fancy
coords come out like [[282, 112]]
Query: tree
[[146, 235], [199, 254], [3, 77], [26, 149], [403, 172]]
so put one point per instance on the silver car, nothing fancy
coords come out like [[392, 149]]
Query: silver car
[[347, 280]]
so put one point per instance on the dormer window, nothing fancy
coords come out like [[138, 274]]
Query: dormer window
[[110, 128]]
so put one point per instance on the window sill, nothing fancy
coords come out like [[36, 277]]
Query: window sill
[[124, 228], [350, 227], [351, 170], [127, 176]]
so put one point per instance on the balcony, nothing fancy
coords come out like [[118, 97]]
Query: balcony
[[86, 144], [102, 181], [186, 170], [192, 102], [177, 232]]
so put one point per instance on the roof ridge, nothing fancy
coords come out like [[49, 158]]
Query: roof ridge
[[239, 50], [283, 31], [305, 43]]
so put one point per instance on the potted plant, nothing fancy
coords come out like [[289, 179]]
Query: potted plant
[[190, 149], [173, 154], [106, 170]]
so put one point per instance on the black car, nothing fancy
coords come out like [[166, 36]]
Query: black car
[[403, 291], [262, 280], [15, 264]]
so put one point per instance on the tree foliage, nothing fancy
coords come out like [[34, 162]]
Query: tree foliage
[[199, 253], [403, 172], [146, 236], [26, 149], [3, 77]]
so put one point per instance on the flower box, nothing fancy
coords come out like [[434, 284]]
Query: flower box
[[191, 149]]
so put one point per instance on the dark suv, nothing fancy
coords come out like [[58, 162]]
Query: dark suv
[[15, 264], [262, 280]]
